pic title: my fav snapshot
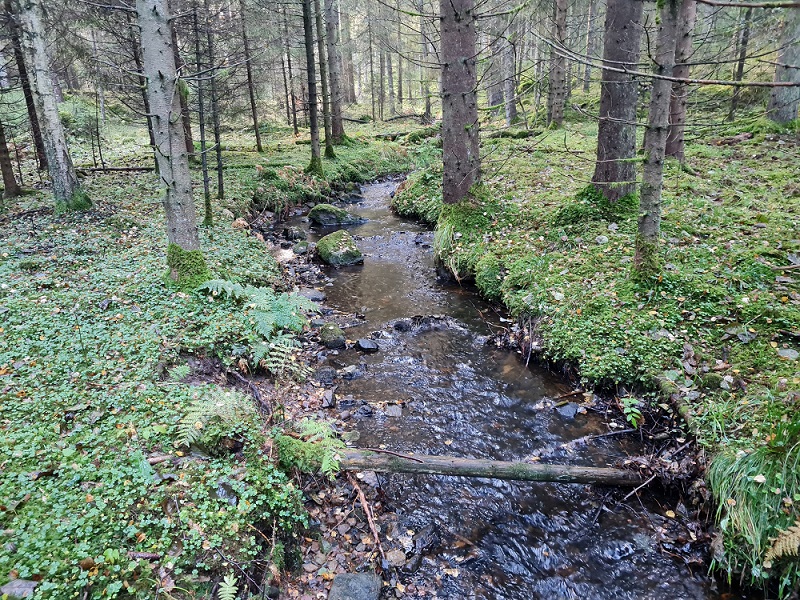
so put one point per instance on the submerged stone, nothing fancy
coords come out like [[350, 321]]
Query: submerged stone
[[331, 336], [366, 345], [339, 249], [328, 214]]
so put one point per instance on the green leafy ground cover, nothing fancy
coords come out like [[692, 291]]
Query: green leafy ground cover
[[719, 328], [94, 383]]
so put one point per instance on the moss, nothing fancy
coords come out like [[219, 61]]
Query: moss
[[187, 268], [339, 249], [79, 201], [489, 275], [327, 214], [647, 264], [591, 205], [314, 168], [331, 336]]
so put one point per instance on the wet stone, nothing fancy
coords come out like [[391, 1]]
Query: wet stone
[[19, 588], [355, 586], [396, 558], [568, 410], [294, 233], [325, 375], [313, 294], [331, 336], [367, 346]]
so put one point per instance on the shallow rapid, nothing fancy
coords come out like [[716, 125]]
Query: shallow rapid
[[435, 387]]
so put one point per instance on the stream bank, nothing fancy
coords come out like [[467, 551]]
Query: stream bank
[[434, 386]]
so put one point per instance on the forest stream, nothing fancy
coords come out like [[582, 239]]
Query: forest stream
[[435, 387]]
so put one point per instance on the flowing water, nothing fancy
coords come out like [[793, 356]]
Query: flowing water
[[436, 388]]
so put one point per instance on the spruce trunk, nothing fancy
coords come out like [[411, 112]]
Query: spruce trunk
[[784, 101], [680, 91], [315, 166]]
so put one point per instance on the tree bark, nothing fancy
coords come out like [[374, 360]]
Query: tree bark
[[287, 48], [557, 91], [335, 70], [590, 45], [348, 71], [186, 116], [647, 260], [459, 103], [66, 189], [11, 188], [509, 77], [371, 68], [24, 80], [208, 216], [250, 85], [784, 101], [212, 74], [381, 82], [315, 166], [615, 170], [739, 73], [493, 75], [323, 80], [425, 85], [136, 53], [680, 91], [186, 263], [491, 469]]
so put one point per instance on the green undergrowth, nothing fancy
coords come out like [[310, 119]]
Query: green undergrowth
[[718, 326]]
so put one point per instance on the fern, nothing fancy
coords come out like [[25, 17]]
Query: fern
[[179, 372], [228, 588], [316, 450], [786, 544], [278, 357], [225, 410], [223, 287]]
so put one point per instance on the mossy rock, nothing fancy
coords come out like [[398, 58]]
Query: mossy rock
[[327, 215], [331, 336], [339, 249]]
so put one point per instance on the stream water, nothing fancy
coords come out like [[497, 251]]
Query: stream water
[[436, 388]]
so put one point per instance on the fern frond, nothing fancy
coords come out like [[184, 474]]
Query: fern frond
[[786, 544], [224, 287], [264, 323], [228, 409], [228, 588]]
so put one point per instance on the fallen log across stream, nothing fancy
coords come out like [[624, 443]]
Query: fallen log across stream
[[393, 462]]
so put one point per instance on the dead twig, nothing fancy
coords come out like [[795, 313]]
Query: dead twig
[[368, 513], [631, 493]]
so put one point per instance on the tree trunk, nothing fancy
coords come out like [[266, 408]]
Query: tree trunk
[[739, 74], [425, 86], [10, 187], [286, 96], [399, 58], [24, 81], [647, 260], [509, 78], [390, 83], [66, 189], [680, 91], [590, 45], [353, 459], [615, 171], [382, 82], [459, 103], [183, 93], [287, 48], [250, 85], [371, 68], [493, 75], [136, 53], [186, 264], [208, 215], [348, 71], [557, 91], [212, 74], [315, 166], [335, 70], [784, 101], [323, 81]]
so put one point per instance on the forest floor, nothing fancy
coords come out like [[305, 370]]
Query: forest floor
[[715, 337], [105, 371]]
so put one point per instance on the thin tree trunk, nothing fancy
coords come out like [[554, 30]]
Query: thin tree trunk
[[784, 101], [214, 100], [335, 70], [739, 73], [390, 83], [615, 171], [293, 98], [493, 75], [381, 82], [250, 85], [371, 67], [66, 189], [315, 166], [557, 91], [399, 58], [10, 187], [98, 78], [590, 45], [459, 102], [136, 53], [183, 95], [425, 81], [323, 80], [354, 459], [680, 91], [208, 214], [24, 81], [185, 261], [286, 96], [347, 62], [647, 259], [509, 78]]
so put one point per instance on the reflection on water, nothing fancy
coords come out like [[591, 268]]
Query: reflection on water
[[517, 540]]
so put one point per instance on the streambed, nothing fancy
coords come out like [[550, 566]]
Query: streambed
[[435, 387]]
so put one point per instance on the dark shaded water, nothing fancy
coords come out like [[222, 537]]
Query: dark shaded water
[[448, 393]]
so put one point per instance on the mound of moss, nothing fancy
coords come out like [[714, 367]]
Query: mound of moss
[[339, 249]]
